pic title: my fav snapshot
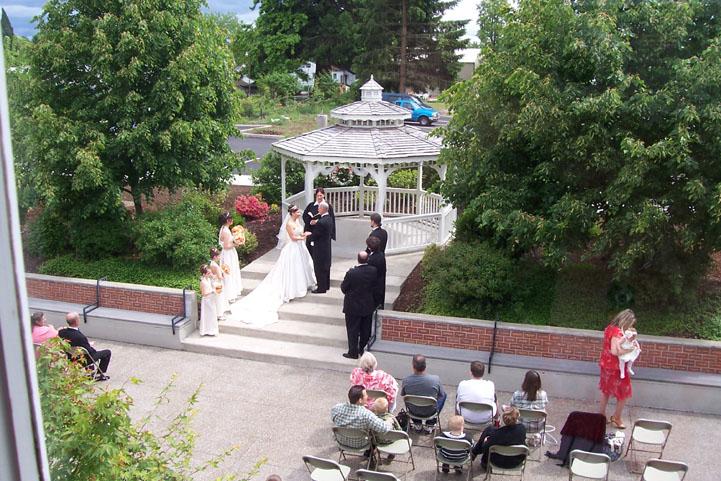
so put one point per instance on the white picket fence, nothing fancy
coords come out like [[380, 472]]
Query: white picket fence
[[413, 218]]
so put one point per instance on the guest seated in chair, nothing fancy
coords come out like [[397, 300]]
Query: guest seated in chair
[[354, 414], [511, 433], [42, 331], [477, 390], [531, 396], [380, 408], [421, 384], [76, 338], [455, 431], [370, 377]]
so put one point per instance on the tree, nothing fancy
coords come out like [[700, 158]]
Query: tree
[[492, 15], [278, 36], [128, 97], [592, 129]]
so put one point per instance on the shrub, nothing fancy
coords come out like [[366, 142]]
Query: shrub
[[119, 269], [403, 179], [48, 235], [178, 236], [278, 85], [267, 178], [89, 433], [325, 87], [467, 279], [251, 206], [250, 245]]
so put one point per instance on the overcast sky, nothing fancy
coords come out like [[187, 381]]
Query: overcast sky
[[21, 13]]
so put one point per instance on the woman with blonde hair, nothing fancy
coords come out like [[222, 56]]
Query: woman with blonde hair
[[611, 383], [370, 377], [510, 434]]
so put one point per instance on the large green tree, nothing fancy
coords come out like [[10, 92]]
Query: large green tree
[[593, 128], [128, 97]]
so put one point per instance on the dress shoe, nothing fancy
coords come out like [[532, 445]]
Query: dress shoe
[[317, 291], [348, 355], [102, 377]]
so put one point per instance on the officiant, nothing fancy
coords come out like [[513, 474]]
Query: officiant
[[311, 212]]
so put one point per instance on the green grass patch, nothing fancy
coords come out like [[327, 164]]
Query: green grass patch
[[118, 269]]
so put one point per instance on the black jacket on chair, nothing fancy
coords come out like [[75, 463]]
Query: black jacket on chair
[[358, 286]]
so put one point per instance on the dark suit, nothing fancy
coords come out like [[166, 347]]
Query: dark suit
[[378, 260], [321, 252], [358, 305], [78, 339], [311, 210], [381, 234]]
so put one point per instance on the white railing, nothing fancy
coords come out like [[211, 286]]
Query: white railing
[[414, 219]]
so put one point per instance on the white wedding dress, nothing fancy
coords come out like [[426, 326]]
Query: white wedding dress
[[291, 276]]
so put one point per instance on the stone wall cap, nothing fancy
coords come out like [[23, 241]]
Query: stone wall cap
[[119, 285]]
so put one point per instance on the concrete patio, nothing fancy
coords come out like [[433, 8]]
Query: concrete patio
[[281, 412]]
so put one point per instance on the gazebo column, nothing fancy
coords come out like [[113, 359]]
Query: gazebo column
[[282, 185], [381, 179], [419, 188], [311, 172]]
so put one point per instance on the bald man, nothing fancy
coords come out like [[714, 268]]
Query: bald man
[[76, 338]]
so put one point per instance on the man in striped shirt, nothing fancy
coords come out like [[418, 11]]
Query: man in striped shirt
[[354, 414]]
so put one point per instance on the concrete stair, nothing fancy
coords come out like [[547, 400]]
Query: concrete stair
[[310, 331]]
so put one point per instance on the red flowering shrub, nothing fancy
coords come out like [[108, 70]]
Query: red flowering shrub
[[251, 206]]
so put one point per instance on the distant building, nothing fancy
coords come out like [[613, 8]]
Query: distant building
[[308, 70], [342, 76], [470, 58]]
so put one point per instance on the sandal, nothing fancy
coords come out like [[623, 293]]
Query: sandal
[[618, 423]]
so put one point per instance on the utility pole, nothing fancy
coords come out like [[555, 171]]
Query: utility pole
[[404, 47]]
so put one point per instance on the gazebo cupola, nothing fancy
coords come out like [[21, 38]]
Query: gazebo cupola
[[370, 138]]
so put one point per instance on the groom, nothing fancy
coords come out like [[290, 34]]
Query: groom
[[321, 236]]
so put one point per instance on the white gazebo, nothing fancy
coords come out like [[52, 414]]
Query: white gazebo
[[371, 138]]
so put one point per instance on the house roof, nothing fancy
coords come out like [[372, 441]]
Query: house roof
[[343, 143]]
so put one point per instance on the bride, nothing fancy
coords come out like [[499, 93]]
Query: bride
[[290, 277]]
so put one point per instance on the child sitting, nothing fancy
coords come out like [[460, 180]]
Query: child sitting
[[630, 341], [455, 426], [380, 408]]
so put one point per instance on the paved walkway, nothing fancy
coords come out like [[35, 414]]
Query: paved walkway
[[281, 412]]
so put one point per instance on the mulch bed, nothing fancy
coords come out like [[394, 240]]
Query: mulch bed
[[410, 298], [266, 230]]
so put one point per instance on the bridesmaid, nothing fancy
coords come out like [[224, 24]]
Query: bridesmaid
[[217, 271], [229, 256], [208, 325]]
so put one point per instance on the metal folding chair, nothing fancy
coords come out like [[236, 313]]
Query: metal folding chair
[[588, 465], [514, 450], [440, 443], [325, 469]]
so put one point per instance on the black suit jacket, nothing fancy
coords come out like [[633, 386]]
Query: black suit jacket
[[311, 210], [382, 235], [321, 236], [378, 260], [76, 339], [357, 286]]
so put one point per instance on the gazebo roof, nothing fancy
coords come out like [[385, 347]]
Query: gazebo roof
[[368, 146], [364, 109]]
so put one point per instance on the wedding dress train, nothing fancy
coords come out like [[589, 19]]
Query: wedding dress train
[[290, 277]]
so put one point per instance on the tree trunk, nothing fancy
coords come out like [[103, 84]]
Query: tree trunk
[[404, 47], [137, 201]]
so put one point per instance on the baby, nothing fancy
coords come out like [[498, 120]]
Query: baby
[[629, 341], [380, 408]]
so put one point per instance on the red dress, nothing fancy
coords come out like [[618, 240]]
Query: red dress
[[611, 383]]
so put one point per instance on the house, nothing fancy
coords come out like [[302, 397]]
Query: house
[[342, 76], [308, 71], [470, 58]]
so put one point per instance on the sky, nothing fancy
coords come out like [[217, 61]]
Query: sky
[[21, 13]]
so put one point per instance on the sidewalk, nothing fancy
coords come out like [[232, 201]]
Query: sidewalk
[[283, 412]]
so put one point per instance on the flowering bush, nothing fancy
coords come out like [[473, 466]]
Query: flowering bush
[[251, 206]]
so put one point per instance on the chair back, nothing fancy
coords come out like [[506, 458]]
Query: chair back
[[367, 475], [651, 431], [320, 463], [376, 393], [663, 470], [477, 408], [391, 436], [441, 442], [419, 401], [589, 465], [533, 420], [358, 437], [509, 451]]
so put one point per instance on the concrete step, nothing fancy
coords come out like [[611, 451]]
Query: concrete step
[[333, 296], [273, 351], [291, 331], [258, 270]]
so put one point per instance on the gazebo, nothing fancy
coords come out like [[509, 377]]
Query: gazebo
[[370, 138]]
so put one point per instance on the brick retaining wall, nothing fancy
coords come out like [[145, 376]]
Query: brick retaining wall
[[113, 295], [558, 343]]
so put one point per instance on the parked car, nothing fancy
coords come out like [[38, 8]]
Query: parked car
[[424, 115]]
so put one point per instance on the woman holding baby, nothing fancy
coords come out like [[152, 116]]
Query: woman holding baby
[[615, 371]]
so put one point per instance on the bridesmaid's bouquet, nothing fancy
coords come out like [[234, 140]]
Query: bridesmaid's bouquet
[[225, 268], [238, 235]]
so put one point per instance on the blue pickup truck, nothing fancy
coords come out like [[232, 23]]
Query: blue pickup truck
[[420, 112]]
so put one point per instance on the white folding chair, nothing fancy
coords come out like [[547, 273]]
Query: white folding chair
[[423, 402], [535, 423], [353, 441], [325, 469], [395, 443], [366, 475], [588, 465], [479, 410], [664, 470], [376, 393], [92, 365], [440, 443], [649, 432], [510, 451]]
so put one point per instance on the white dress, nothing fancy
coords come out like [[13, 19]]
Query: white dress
[[290, 277], [232, 284], [223, 304], [208, 325]]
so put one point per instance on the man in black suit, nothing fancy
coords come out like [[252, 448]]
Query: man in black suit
[[377, 259], [321, 236], [378, 231], [311, 210], [76, 338], [358, 305]]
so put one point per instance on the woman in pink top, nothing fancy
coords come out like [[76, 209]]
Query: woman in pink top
[[371, 378], [41, 331]]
